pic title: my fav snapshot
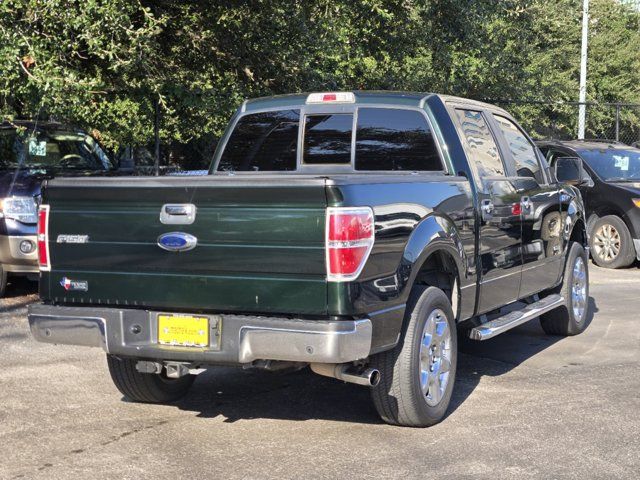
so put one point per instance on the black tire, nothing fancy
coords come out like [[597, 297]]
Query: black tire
[[564, 320], [618, 237], [3, 281], [146, 387], [398, 397]]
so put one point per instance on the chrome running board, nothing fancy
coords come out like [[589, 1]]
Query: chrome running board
[[517, 317]]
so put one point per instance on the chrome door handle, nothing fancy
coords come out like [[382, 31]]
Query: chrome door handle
[[178, 213]]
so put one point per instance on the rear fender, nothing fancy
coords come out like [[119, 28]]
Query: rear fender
[[432, 235], [435, 233], [575, 223]]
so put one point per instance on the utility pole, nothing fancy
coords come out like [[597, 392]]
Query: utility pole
[[582, 112], [156, 135]]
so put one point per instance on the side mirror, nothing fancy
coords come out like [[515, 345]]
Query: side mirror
[[569, 170]]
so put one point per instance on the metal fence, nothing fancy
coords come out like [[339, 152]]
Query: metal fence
[[543, 120], [559, 120]]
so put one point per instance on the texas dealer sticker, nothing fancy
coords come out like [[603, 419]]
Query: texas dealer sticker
[[74, 285]]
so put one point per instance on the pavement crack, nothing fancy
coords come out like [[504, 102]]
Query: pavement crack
[[127, 433], [116, 438]]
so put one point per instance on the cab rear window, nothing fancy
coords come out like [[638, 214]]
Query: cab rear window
[[386, 139], [327, 139], [263, 142]]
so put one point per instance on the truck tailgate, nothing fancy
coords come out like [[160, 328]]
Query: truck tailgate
[[260, 243]]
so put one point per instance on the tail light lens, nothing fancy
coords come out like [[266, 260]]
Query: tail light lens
[[43, 237], [349, 239]]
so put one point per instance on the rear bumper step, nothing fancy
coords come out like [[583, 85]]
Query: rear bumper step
[[243, 338], [513, 319]]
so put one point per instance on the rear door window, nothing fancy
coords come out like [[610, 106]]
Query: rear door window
[[263, 142], [395, 139], [327, 138], [482, 146], [521, 149]]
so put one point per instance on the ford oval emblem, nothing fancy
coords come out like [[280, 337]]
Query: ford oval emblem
[[177, 241]]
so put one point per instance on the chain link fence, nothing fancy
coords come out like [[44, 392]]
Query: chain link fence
[[543, 120], [559, 120]]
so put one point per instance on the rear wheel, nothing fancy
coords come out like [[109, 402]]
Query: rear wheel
[[611, 243], [146, 387], [570, 319], [417, 376]]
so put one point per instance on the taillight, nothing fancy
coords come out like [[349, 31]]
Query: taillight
[[349, 239], [43, 237]]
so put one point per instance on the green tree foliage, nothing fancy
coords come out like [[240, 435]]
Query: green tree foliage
[[552, 72], [103, 64], [85, 61]]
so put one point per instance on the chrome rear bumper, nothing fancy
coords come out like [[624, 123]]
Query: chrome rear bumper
[[243, 338]]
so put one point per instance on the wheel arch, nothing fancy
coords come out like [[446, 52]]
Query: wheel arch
[[579, 233], [437, 259], [440, 270], [575, 223]]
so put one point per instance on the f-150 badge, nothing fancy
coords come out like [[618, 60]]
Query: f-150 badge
[[73, 238], [74, 285]]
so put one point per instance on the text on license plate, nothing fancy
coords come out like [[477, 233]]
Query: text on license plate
[[183, 330]]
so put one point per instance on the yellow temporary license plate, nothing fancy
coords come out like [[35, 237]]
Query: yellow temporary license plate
[[183, 330]]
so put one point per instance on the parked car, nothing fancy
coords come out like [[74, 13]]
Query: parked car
[[31, 152], [611, 193], [353, 232]]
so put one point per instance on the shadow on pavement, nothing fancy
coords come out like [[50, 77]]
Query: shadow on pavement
[[238, 394], [20, 292], [502, 354]]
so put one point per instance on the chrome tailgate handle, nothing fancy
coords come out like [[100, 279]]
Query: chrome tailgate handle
[[178, 213]]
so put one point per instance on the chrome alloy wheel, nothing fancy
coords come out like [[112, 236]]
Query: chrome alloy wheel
[[606, 243], [579, 289], [435, 357]]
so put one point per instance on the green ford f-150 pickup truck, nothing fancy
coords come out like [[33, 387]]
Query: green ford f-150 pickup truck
[[360, 233]]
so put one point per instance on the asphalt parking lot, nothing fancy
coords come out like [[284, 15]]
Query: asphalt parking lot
[[526, 405]]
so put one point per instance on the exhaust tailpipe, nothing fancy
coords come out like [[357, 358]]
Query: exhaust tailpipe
[[369, 377]]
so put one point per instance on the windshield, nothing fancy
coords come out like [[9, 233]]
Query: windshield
[[621, 165], [51, 149]]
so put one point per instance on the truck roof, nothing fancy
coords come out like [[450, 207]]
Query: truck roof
[[412, 99]]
